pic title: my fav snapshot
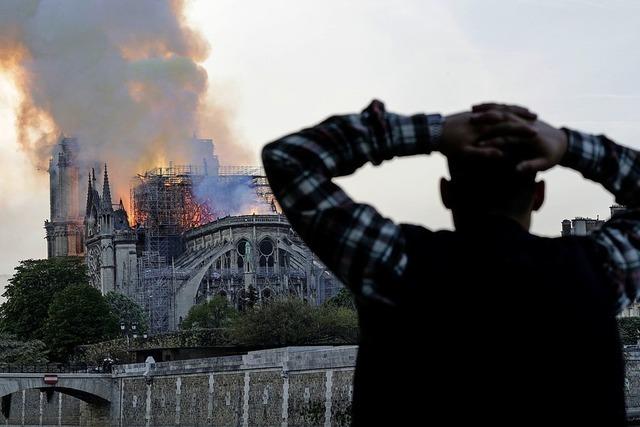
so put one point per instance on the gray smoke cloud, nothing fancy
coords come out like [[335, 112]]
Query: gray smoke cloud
[[231, 197], [122, 76]]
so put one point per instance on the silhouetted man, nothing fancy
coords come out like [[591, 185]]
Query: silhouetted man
[[488, 324]]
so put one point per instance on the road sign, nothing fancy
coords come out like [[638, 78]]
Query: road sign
[[50, 379]]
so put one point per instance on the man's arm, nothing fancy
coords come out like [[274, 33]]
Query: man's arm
[[617, 168], [364, 249]]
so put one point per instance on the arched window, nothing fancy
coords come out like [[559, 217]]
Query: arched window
[[244, 255], [267, 250], [226, 260]]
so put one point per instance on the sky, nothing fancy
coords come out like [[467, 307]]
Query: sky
[[279, 66]]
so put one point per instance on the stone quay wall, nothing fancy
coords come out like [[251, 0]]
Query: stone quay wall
[[294, 386]]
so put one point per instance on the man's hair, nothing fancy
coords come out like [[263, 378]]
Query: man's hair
[[490, 185]]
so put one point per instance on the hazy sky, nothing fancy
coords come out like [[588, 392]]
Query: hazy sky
[[283, 65]]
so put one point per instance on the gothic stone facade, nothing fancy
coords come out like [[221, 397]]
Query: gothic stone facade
[[110, 242], [64, 228], [249, 259]]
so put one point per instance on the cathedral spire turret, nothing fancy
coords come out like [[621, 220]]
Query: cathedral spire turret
[[106, 191], [89, 191]]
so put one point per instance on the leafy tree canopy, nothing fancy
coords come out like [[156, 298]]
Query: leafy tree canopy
[[13, 350], [336, 325], [344, 298], [216, 313], [126, 311], [629, 328], [291, 321], [78, 315], [31, 290]]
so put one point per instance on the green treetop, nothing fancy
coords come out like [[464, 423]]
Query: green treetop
[[78, 315], [31, 290]]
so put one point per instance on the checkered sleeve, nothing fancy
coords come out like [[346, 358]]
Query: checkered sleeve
[[617, 168], [364, 249]]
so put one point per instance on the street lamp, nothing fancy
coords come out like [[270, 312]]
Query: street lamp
[[129, 329], [123, 328]]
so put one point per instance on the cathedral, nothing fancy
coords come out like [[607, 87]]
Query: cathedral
[[196, 231]]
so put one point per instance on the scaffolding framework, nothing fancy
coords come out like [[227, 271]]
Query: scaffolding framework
[[155, 292], [258, 181], [164, 205]]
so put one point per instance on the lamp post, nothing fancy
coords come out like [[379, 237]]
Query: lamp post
[[129, 329], [123, 328]]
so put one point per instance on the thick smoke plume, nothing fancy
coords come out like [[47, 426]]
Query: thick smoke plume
[[122, 76], [232, 197]]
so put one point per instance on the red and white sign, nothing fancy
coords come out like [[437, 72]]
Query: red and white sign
[[50, 379]]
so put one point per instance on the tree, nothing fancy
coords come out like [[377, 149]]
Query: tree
[[31, 290], [629, 328], [78, 314], [127, 311], [217, 313], [13, 350], [291, 321], [336, 325], [344, 298], [279, 323]]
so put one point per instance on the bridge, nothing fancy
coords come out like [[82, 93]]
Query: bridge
[[89, 387]]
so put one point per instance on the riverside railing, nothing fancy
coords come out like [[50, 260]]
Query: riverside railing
[[54, 368]]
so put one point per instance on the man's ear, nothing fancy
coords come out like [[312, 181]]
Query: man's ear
[[446, 193], [538, 195]]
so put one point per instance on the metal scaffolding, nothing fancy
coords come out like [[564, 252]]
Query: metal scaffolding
[[155, 291], [257, 178], [164, 205]]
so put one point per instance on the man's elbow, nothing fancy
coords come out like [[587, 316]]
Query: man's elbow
[[268, 156]]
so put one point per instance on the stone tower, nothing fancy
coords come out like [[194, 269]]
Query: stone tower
[[111, 243], [64, 228]]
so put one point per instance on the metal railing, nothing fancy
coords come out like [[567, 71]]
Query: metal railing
[[235, 220], [241, 170], [55, 368]]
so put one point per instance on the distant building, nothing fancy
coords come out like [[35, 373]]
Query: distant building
[[616, 209], [583, 226], [580, 226]]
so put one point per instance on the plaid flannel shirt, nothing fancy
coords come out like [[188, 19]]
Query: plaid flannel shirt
[[366, 250], [617, 168]]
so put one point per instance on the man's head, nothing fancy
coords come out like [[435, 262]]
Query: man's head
[[490, 186]]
